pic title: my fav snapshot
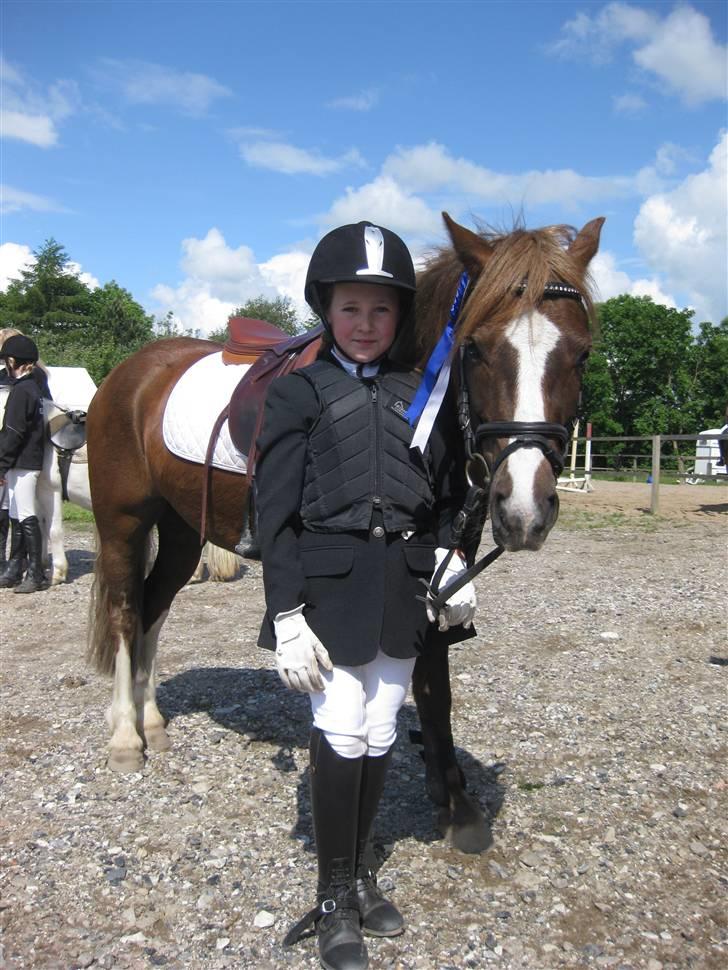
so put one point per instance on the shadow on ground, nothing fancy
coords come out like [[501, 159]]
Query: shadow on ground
[[254, 703]]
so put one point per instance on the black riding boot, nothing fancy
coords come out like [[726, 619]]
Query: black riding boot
[[335, 784], [4, 526], [379, 917], [16, 563], [35, 579]]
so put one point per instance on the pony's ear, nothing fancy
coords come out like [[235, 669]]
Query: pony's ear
[[473, 251], [586, 242]]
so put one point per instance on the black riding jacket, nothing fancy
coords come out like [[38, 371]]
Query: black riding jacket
[[359, 454], [22, 435]]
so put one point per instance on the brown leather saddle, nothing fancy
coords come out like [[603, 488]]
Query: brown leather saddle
[[272, 353], [276, 354]]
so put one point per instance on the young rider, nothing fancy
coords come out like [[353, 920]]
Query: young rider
[[351, 521], [21, 459]]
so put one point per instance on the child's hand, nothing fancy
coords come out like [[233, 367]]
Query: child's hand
[[460, 607], [299, 653]]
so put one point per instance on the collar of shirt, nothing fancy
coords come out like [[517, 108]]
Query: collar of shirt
[[356, 370]]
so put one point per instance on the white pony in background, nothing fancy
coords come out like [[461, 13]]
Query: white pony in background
[[72, 389]]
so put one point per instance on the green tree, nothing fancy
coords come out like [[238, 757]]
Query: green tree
[[648, 352], [47, 297], [710, 363], [73, 325]]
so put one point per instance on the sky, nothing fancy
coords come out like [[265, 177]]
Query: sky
[[194, 152]]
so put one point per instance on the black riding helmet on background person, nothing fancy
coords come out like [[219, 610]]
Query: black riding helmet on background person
[[359, 253], [21, 348]]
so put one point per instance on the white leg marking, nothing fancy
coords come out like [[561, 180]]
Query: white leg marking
[[151, 722], [533, 337], [126, 745]]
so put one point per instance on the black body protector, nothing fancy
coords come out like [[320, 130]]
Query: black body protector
[[359, 457]]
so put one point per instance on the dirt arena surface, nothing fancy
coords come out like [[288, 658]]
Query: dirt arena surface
[[591, 718]]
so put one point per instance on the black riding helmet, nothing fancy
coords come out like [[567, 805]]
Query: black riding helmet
[[359, 253], [22, 348]]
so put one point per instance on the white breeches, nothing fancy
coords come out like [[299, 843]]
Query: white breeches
[[21, 490], [4, 497], [357, 710]]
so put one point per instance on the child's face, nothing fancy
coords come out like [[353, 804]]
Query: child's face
[[364, 319]]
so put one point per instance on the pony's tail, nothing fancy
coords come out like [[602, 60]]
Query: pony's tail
[[222, 565], [101, 645]]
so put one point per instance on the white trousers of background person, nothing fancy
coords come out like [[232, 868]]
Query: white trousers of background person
[[4, 497], [21, 488], [357, 710]]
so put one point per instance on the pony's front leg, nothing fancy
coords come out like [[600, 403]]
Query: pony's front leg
[[126, 747], [466, 825], [50, 509], [150, 722]]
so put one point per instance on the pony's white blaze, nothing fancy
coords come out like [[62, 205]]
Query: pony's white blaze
[[533, 337]]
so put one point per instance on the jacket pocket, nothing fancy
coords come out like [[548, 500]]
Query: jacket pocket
[[419, 558], [327, 561]]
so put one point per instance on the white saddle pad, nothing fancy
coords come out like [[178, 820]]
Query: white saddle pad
[[195, 403]]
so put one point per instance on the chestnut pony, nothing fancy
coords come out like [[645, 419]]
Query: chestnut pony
[[524, 336]]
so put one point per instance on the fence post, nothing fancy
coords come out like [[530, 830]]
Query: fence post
[[655, 496]]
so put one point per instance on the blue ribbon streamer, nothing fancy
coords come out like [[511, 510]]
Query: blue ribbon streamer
[[438, 356]]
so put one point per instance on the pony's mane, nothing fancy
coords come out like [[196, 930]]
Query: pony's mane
[[534, 257]]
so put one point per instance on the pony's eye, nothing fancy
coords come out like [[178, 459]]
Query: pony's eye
[[473, 351], [583, 358]]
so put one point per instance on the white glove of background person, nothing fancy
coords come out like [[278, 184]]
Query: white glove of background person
[[299, 652], [460, 607]]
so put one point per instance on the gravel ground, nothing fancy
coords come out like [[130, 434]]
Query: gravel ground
[[590, 713]]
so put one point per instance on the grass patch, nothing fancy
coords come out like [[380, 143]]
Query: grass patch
[[74, 513], [529, 785]]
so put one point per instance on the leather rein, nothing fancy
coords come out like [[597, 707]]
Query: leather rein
[[525, 434]]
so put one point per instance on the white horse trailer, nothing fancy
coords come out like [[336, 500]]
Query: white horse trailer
[[707, 456]]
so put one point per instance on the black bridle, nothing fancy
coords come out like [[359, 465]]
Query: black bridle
[[525, 434]]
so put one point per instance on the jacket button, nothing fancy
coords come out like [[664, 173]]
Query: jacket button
[[378, 532]]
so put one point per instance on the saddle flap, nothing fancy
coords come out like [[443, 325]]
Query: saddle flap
[[246, 403], [67, 431]]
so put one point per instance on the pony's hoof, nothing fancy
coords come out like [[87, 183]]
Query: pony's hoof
[[471, 839], [157, 739], [126, 761], [466, 829]]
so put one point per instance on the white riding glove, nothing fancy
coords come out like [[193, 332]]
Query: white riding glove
[[299, 652], [460, 607]]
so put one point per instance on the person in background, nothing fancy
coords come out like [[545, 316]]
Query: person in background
[[40, 376], [351, 521], [21, 460]]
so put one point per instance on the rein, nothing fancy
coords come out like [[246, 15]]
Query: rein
[[525, 434]]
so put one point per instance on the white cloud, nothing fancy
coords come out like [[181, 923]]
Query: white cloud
[[142, 82], [14, 257], [87, 279], [15, 200], [364, 101], [612, 281], [290, 160], [631, 105], [683, 53], [36, 129], [27, 114], [385, 202], [286, 273], [678, 49], [682, 235], [218, 279], [426, 168]]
